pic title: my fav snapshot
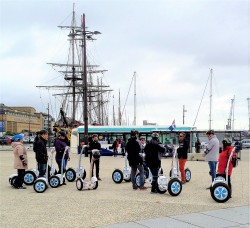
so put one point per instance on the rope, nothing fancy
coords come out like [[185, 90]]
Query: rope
[[127, 95]]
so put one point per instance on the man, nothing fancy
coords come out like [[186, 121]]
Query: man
[[36, 140], [182, 152], [152, 151], [94, 144], [211, 153], [41, 153], [135, 160]]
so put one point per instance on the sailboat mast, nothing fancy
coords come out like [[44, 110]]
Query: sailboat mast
[[73, 65], [119, 109], [211, 90], [134, 98], [85, 86]]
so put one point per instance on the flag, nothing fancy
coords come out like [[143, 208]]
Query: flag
[[172, 126]]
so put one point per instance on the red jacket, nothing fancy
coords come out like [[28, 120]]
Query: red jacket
[[224, 155]]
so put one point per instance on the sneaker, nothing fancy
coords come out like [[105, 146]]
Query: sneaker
[[135, 188], [64, 183], [143, 188], [183, 182], [22, 187], [98, 178], [208, 188], [153, 192]]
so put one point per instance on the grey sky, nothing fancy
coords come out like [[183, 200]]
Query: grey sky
[[170, 44]]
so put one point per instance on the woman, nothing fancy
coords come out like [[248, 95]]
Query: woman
[[20, 160]]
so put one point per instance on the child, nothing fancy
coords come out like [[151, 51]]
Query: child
[[20, 160], [223, 159]]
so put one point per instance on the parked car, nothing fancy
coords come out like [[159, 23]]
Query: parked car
[[245, 143], [4, 140]]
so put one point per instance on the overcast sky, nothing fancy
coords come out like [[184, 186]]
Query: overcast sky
[[171, 44]]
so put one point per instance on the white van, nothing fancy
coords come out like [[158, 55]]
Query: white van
[[245, 143]]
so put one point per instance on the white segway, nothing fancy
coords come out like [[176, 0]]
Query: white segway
[[93, 182], [80, 172], [118, 176], [220, 190], [58, 179], [32, 174], [174, 185], [175, 172], [41, 183]]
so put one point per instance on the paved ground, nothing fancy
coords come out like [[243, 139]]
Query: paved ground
[[118, 204]]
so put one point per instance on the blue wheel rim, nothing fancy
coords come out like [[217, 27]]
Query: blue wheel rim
[[54, 182], [40, 186], [220, 193], [188, 175], [117, 176], [28, 178], [175, 187], [70, 175]]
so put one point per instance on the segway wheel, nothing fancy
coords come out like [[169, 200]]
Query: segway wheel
[[79, 184], [95, 185], [29, 177], [138, 180], [40, 186], [220, 192], [160, 190], [12, 181], [188, 174], [54, 181], [174, 187], [70, 175], [84, 174], [117, 176]]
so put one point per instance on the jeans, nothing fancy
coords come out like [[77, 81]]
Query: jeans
[[182, 163], [133, 173], [154, 172], [19, 179], [59, 163], [212, 166], [42, 169]]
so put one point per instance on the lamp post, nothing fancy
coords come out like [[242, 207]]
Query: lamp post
[[85, 35], [29, 127]]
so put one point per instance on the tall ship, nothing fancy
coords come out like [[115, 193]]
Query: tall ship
[[83, 96]]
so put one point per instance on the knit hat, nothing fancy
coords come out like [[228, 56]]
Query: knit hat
[[18, 137]]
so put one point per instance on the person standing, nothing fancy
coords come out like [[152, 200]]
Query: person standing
[[182, 153], [41, 153], [94, 144], [20, 160], [197, 145], [123, 144], [152, 152], [211, 153], [36, 140], [60, 146], [115, 146], [135, 160]]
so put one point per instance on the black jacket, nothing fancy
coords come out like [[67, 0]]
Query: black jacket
[[41, 151], [94, 145], [183, 149], [133, 148], [152, 151]]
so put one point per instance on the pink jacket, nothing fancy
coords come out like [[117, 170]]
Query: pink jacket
[[19, 149]]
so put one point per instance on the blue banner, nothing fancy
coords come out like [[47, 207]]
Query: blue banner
[[1, 126]]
